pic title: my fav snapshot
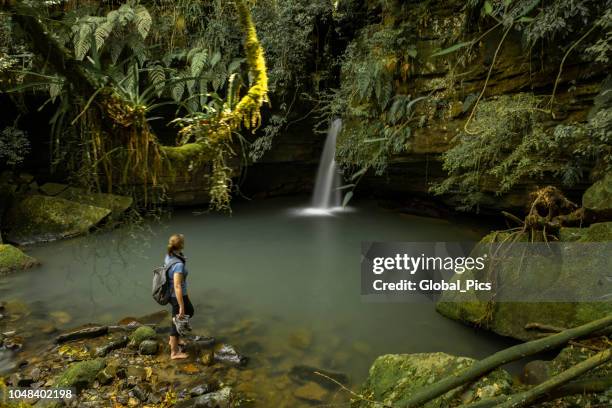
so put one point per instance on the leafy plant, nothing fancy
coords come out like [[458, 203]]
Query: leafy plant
[[510, 144]]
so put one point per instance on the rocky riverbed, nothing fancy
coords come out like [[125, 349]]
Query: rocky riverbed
[[127, 364]]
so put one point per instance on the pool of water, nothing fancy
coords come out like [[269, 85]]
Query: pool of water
[[267, 279]]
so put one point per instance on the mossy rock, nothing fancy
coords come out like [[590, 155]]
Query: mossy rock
[[394, 378], [13, 259], [599, 232], [598, 197], [80, 375], [116, 203], [141, 334], [576, 277], [39, 218]]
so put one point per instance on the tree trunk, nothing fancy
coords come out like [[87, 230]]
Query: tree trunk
[[482, 367]]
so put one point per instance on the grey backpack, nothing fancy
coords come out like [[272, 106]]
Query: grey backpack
[[161, 289]]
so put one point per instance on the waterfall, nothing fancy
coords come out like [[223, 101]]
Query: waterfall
[[326, 195]]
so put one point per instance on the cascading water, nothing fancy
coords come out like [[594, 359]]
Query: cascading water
[[326, 194]]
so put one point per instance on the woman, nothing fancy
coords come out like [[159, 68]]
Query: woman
[[181, 306]]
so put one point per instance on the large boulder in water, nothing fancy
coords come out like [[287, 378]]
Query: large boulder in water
[[39, 218], [116, 203], [577, 274], [12, 259], [394, 378]]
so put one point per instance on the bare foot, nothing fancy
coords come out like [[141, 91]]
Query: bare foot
[[178, 356]]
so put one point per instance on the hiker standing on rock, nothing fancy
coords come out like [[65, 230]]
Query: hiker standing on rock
[[182, 309]]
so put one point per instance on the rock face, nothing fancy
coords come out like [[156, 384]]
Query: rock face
[[393, 378], [80, 375], [12, 259], [39, 218], [510, 318]]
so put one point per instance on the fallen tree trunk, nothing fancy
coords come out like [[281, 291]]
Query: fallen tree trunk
[[482, 367], [593, 385], [524, 398]]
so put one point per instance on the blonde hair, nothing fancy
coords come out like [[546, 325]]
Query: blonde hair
[[176, 242]]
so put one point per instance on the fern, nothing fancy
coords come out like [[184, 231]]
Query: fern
[[143, 20]]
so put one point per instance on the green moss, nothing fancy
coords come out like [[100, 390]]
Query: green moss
[[393, 378], [141, 334], [12, 259], [116, 203], [599, 195], [80, 375], [40, 218]]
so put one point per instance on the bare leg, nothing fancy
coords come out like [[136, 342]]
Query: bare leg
[[175, 352]]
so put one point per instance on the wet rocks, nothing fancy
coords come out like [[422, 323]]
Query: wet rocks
[[535, 372], [12, 259], [227, 354], [38, 218], [200, 390], [218, 399], [148, 347], [141, 334], [301, 339], [80, 375], [395, 377], [311, 392], [112, 345], [306, 374], [86, 333]]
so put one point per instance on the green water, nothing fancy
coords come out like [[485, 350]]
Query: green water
[[256, 279]]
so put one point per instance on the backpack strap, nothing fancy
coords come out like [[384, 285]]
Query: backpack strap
[[170, 265]]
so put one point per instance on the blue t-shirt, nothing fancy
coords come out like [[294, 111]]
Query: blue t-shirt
[[176, 268]]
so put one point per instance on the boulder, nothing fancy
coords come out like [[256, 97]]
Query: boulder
[[218, 399], [394, 378], [598, 197], [80, 375], [12, 259], [52, 189], [148, 347], [39, 218], [227, 354], [141, 334], [311, 392], [110, 346], [115, 203], [510, 318]]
